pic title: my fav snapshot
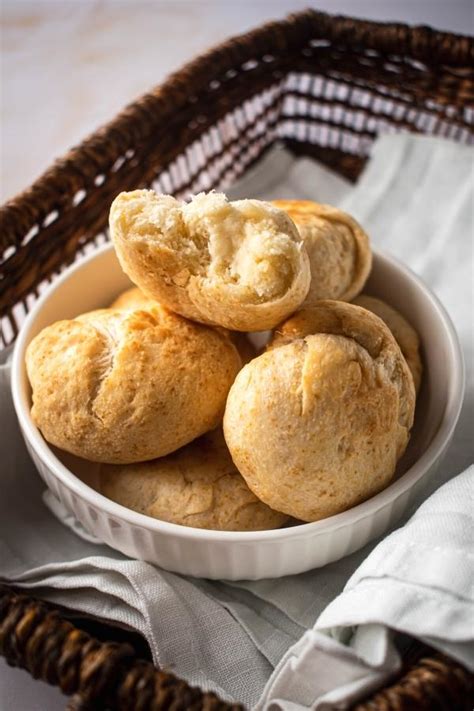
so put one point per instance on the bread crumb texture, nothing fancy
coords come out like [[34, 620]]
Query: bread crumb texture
[[241, 265]]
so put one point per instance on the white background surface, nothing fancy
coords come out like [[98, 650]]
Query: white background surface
[[68, 66]]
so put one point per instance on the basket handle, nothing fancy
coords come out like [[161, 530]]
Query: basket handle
[[110, 675], [98, 675]]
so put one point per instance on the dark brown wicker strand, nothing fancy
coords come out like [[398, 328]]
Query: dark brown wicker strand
[[99, 675], [102, 675], [433, 683]]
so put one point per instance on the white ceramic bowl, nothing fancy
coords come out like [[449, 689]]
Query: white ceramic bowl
[[93, 283]]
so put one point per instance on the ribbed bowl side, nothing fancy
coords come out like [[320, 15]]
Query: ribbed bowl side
[[229, 560]]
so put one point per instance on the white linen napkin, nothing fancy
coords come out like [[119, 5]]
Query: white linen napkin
[[266, 642], [419, 580]]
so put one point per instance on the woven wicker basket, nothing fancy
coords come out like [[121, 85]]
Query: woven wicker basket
[[325, 87]]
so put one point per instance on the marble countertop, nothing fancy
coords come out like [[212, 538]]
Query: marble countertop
[[68, 66]]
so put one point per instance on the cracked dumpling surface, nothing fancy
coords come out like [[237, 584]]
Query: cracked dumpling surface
[[197, 486], [125, 386], [134, 298], [241, 265], [405, 335], [317, 423], [338, 248]]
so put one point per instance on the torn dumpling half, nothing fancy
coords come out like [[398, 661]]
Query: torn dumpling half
[[241, 265]]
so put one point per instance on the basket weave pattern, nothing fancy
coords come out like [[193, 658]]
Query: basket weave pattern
[[323, 86], [99, 675], [110, 675]]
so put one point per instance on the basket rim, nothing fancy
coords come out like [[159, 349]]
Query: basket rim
[[420, 42], [423, 670]]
